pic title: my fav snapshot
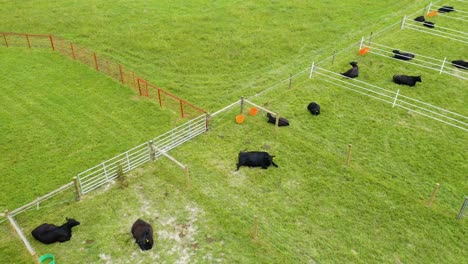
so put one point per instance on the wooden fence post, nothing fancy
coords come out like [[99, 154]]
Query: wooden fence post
[[277, 120], [6, 42], [73, 50], [434, 193], [242, 105], [96, 61], [121, 74], [207, 121], [462, 209], [152, 153], [77, 188], [52, 42], [29, 42], [290, 80], [255, 228], [348, 159]]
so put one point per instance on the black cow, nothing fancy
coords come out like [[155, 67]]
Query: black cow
[[425, 23], [49, 233], [255, 159], [402, 55], [143, 234], [353, 72], [281, 122], [314, 108], [460, 64], [406, 80], [446, 9]]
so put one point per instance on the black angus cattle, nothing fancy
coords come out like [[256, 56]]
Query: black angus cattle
[[281, 122], [406, 80], [446, 9], [353, 72], [49, 233], [314, 108], [255, 159], [425, 23], [460, 64], [402, 55], [143, 234]]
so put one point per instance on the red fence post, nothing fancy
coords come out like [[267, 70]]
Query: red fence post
[[27, 38], [96, 62], [52, 42], [159, 96], [139, 88], [72, 50], [181, 108], [6, 42], [121, 74]]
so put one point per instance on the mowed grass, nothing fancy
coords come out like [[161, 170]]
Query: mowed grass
[[60, 118], [312, 207]]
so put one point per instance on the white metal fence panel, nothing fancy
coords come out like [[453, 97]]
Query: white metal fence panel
[[101, 174]]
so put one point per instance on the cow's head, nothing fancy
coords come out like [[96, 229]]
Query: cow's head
[[418, 78], [353, 63], [146, 240], [72, 222]]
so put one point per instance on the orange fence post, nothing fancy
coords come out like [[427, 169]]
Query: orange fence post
[[159, 97], [6, 42], [121, 74], [72, 50], [52, 42], [181, 108], [139, 87], [27, 38], [96, 62]]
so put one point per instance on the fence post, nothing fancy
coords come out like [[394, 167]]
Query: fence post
[[242, 105], [77, 188], [121, 74], [151, 152], [187, 177], [73, 50], [362, 43], [443, 63], [29, 42], [348, 159], [139, 87], [290, 80], [52, 42], [207, 121], [255, 228], [6, 42], [277, 120], [434, 193], [311, 70], [402, 22], [159, 97], [333, 58], [95, 61], [105, 171], [396, 96], [429, 8], [370, 38], [462, 209], [22, 236], [181, 108]]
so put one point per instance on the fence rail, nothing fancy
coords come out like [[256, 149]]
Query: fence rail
[[108, 170], [444, 32]]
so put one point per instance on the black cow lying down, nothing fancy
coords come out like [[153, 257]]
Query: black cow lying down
[[353, 72], [460, 64], [143, 234], [406, 80], [425, 23], [281, 122], [402, 55], [49, 233], [446, 9], [255, 159], [314, 108]]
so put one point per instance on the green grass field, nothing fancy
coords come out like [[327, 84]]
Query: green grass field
[[311, 209]]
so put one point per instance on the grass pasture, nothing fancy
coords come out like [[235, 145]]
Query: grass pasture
[[312, 208]]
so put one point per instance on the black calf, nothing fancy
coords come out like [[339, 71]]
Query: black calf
[[406, 80], [50, 233], [255, 159], [143, 234], [281, 122]]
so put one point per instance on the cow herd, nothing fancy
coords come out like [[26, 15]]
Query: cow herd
[[50, 233]]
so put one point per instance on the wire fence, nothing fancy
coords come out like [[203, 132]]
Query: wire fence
[[103, 65], [440, 31], [418, 60]]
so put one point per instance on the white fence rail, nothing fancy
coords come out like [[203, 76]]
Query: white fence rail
[[101, 174], [394, 98], [444, 32], [441, 66]]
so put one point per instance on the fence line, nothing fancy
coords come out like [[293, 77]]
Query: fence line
[[97, 62], [435, 31], [441, 64]]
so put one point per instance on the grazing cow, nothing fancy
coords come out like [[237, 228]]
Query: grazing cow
[[255, 159], [406, 80], [402, 55], [281, 122], [49, 233], [314, 108], [446, 9], [425, 23], [143, 234], [460, 64], [353, 72]]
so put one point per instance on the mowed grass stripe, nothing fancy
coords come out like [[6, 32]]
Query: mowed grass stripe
[[56, 123]]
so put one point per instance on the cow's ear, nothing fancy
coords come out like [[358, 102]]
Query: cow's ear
[[67, 218]]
